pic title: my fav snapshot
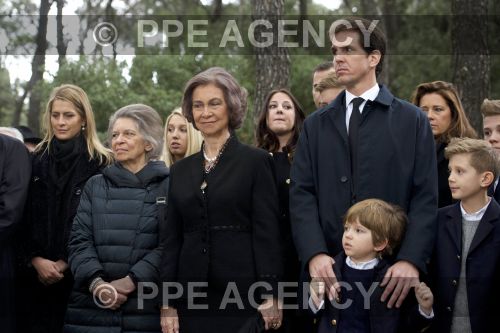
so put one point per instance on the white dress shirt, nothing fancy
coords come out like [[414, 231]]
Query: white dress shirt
[[370, 94]]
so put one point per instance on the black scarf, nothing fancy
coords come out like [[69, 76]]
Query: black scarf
[[64, 157], [63, 160]]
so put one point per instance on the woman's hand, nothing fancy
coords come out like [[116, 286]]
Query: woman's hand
[[106, 294], [124, 285], [62, 265], [48, 271], [169, 320], [272, 313]]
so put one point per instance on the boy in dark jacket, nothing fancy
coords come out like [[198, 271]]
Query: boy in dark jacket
[[465, 267], [373, 229]]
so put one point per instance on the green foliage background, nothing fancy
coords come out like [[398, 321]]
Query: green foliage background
[[158, 78]]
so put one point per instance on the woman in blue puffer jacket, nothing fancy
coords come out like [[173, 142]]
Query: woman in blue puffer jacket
[[114, 244]]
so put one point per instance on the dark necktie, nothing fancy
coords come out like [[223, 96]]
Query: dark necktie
[[354, 122]]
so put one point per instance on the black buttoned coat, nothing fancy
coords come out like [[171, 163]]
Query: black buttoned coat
[[227, 232], [396, 163], [483, 269], [15, 170]]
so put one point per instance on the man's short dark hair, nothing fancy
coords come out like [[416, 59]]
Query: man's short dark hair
[[378, 41]]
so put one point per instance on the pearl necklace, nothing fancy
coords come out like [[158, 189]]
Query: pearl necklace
[[208, 159]]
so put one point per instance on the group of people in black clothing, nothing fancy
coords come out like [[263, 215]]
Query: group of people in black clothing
[[184, 228]]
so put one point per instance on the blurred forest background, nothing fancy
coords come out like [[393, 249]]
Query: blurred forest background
[[451, 40]]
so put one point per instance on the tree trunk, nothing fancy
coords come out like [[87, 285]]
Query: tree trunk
[[471, 59], [217, 4], [303, 9], [61, 45], [38, 68], [272, 67], [391, 21]]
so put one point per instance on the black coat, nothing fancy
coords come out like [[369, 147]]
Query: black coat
[[444, 193], [116, 233], [15, 169], [291, 259], [397, 163], [229, 233], [46, 239], [382, 319], [483, 269]]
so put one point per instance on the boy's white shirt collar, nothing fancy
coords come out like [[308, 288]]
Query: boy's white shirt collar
[[474, 216], [362, 265]]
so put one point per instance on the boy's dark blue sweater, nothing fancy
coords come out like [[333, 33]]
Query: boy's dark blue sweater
[[356, 317]]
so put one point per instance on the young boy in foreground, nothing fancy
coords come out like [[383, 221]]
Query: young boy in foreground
[[465, 268], [373, 230]]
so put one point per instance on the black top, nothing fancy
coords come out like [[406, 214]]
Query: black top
[[48, 236], [282, 172], [227, 230], [444, 193]]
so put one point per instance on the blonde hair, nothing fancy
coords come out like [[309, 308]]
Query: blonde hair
[[490, 107], [79, 99], [385, 221], [194, 139], [329, 82], [482, 157]]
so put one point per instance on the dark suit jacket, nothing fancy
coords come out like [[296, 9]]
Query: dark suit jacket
[[382, 319], [230, 233], [15, 170], [397, 163], [483, 269]]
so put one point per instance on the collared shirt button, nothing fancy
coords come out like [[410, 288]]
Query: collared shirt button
[[343, 179], [334, 322], [454, 282], [288, 181]]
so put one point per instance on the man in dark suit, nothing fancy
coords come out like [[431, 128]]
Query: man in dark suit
[[374, 147], [15, 172]]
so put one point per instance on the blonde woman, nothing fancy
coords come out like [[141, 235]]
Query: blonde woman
[[69, 154], [181, 138]]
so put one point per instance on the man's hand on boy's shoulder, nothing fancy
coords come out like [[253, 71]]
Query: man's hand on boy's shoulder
[[398, 281]]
